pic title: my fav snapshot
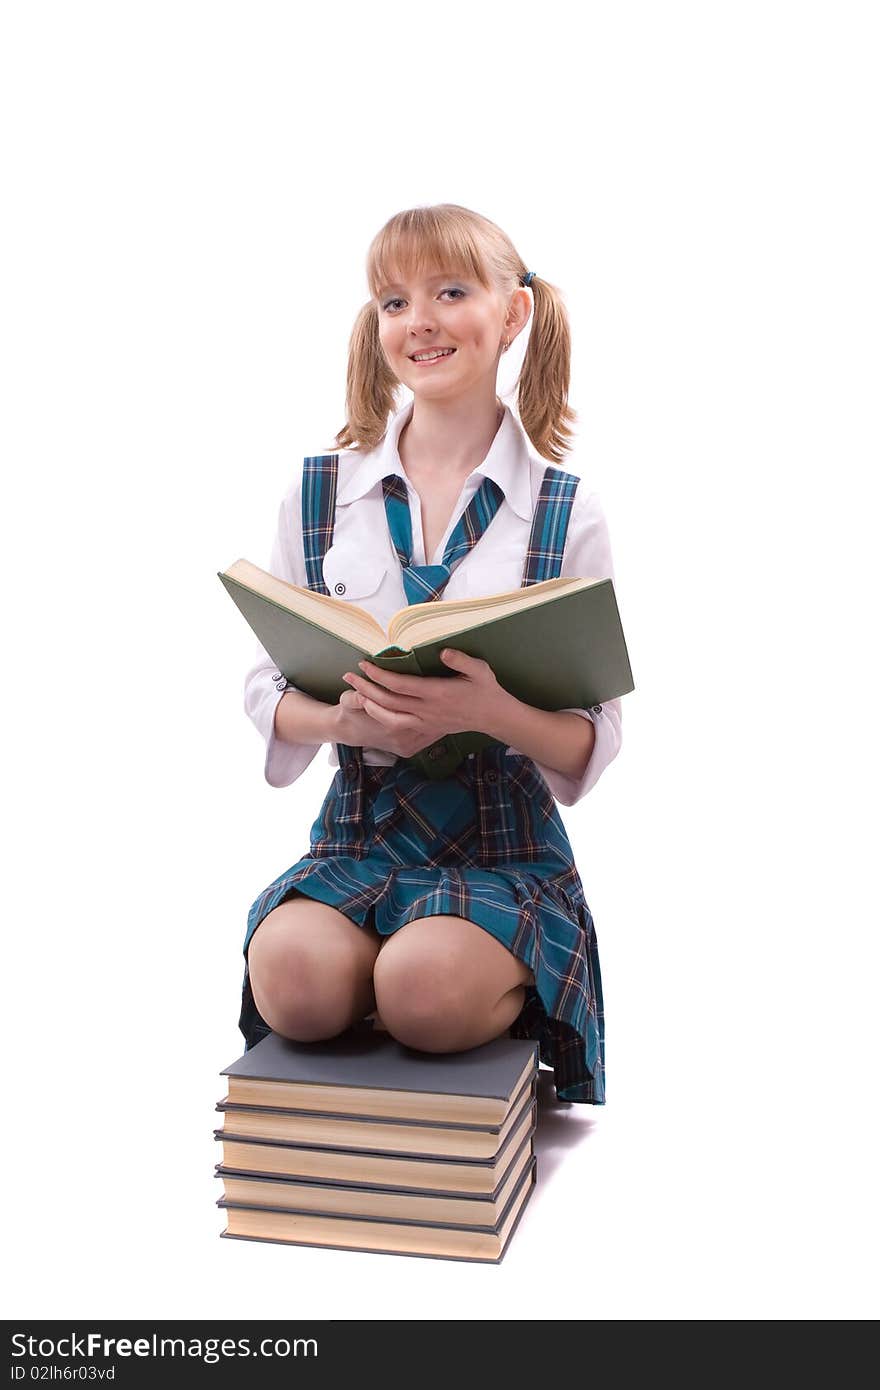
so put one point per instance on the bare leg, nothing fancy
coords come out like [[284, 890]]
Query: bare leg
[[444, 984], [311, 969]]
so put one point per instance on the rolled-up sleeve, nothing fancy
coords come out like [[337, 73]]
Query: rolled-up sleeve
[[264, 686], [588, 556]]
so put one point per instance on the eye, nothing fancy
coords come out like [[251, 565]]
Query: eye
[[391, 305]]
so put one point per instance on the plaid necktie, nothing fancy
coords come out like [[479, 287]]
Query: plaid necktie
[[423, 583]]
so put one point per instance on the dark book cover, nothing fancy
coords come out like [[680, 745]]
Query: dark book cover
[[382, 1135], [340, 1184], [376, 1061], [482, 1214], [404, 1155], [407, 1230], [232, 1108]]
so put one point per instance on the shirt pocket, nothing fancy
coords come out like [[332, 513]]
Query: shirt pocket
[[350, 576], [479, 580]]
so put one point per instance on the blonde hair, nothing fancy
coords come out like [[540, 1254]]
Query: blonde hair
[[457, 239]]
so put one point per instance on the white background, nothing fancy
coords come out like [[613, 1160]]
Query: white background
[[190, 193]]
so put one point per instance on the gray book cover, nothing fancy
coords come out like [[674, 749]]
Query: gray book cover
[[519, 1199], [530, 1106], [338, 1183], [231, 1108], [376, 1061], [491, 1229]]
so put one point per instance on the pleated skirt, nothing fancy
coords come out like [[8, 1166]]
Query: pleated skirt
[[486, 843]]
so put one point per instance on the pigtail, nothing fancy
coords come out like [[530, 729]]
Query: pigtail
[[542, 397], [370, 385]]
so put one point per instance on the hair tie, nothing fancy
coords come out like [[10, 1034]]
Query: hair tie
[[528, 277]]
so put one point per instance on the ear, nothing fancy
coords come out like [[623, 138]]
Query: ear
[[518, 312]]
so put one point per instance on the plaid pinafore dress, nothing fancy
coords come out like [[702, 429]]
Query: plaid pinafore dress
[[486, 843]]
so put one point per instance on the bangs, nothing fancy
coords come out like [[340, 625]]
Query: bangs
[[424, 239]]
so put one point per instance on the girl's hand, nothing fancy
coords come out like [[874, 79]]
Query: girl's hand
[[352, 726], [414, 711]]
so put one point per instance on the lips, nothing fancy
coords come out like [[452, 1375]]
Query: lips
[[436, 354]]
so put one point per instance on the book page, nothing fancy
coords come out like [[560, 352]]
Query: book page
[[419, 622], [427, 622], [346, 620]]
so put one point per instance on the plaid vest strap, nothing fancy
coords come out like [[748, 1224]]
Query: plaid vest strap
[[318, 519], [318, 515], [549, 526]]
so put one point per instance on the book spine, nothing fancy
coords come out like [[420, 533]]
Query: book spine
[[441, 758]]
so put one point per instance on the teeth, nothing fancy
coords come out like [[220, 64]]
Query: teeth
[[428, 356]]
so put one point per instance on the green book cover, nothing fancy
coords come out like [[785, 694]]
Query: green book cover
[[566, 650]]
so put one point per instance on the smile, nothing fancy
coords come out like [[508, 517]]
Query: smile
[[431, 355]]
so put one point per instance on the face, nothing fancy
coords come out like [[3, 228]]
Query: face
[[457, 318]]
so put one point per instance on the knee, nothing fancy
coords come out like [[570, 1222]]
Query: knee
[[296, 990], [421, 998]]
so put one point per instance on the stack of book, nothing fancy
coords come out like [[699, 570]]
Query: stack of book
[[359, 1143]]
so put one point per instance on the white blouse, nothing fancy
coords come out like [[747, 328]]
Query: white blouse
[[362, 566]]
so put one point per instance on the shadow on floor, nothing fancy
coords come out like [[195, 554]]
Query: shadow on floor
[[562, 1126]]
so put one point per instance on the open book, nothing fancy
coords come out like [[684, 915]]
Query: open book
[[555, 645]]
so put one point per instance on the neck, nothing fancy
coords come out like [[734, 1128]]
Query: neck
[[449, 439]]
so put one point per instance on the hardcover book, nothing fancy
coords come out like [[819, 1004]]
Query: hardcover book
[[401, 1237], [554, 645], [374, 1168], [366, 1074], [393, 1204], [401, 1137]]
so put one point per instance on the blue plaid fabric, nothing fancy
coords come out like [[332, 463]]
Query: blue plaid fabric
[[424, 583], [487, 843]]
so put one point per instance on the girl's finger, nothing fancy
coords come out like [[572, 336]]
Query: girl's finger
[[381, 715], [392, 680], [376, 693]]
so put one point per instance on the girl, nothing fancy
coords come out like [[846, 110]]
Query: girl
[[452, 907]]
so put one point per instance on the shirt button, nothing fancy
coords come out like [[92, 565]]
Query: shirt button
[[491, 775], [597, 709], [339, 588], [351, 771]]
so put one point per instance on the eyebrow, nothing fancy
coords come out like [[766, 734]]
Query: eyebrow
[[432, 280]]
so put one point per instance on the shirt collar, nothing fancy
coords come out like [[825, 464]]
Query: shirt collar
[[508, 463]]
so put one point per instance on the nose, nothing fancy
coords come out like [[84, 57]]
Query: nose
[[420, 317]]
